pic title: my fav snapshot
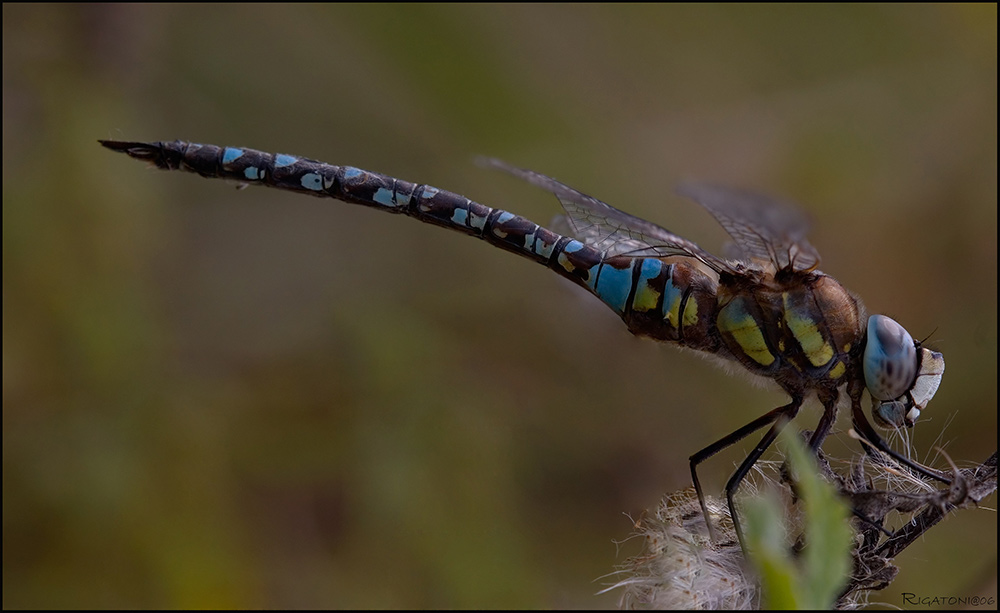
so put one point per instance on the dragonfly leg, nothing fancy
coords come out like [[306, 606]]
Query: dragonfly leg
[[820, 434], [866, 430], [786, 414], [788, 411], [825, 423]]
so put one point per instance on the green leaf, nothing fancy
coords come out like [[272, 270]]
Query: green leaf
[[814, 579]]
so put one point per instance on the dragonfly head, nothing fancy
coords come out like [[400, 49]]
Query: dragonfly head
[[901, 376]]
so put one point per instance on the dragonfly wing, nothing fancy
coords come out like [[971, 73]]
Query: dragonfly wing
[[603, 239], [762, 228], [609, 230]]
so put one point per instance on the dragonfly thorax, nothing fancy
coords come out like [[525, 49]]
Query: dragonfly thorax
[[802, 329]]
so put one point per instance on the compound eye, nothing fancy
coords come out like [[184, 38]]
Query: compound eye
[[890, 361]]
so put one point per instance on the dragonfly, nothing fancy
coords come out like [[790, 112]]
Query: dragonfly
[[765, 306]]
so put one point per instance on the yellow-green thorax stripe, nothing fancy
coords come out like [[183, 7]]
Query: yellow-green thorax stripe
[[806, 331], [735, 320]]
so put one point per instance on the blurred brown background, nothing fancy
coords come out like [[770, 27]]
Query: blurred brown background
[[229, 398]]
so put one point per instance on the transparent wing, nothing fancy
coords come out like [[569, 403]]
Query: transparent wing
[[763, 229], [609, 230]]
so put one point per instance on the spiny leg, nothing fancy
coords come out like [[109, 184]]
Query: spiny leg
[[866, 430], [826, 422], [823, 429], [787, 413], [767, 419]]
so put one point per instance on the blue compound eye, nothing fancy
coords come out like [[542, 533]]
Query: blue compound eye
[[890, 362]]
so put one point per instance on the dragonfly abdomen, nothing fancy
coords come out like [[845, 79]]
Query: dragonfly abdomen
[[566, 256], [665, 301]]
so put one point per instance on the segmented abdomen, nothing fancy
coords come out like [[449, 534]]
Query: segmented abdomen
[[670, 302]]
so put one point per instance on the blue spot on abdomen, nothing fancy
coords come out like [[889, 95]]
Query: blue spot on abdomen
[[312, 181], [385, 197], [283, 159], [614, 285], [650, 268], [230, 154]]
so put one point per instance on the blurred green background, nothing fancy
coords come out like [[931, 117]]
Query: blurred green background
[[252, 398]]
